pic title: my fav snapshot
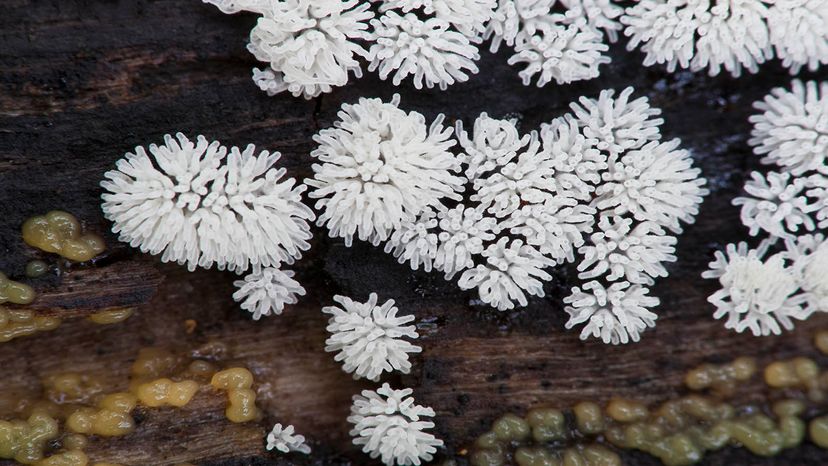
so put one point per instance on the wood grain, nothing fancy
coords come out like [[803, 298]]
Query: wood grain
[[82, 82]]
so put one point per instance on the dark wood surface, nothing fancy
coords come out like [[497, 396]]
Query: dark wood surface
[[82, 82]]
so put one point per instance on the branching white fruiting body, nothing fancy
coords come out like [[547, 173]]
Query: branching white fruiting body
[[266, 292], [284, 440], [199, 204], [730, 34], [369, 338], [381, 166], [777, 205], [792, 130], [809, 254], [388, 425], [757, 294]]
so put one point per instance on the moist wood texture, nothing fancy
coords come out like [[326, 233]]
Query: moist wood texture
[[82, 82]]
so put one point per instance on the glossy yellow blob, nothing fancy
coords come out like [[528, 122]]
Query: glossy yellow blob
[[15, 292], [535, 456], [722, 378], [67, 458], [547, 424], [155, 362], [241, 398], [61, 233], [165, 392], [818, 431], [626, 410], [74, 442], [235, 377], [201, 369], [36, 268], [71, 387], [588, 417], [112, 418], [590, 455], [24, 441], [112, 316], [800, 373], [511, 427], [15, 323], [490, 457], [821, 341], [597, 455]]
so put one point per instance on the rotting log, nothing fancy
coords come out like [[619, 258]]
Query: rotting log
[[83, 82]]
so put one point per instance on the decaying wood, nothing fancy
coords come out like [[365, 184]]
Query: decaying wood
[[83, 82]]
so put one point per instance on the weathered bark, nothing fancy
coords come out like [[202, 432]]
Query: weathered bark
[[82, 82]]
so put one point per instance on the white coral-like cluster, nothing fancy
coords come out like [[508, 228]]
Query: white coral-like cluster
[[792, 134], [390, 426], [312, 46], [798, 33], [555, 44], [368, 338], [596, 183], [809, 254], [266, 292], [792, 130], [202, 204], [381, 166], [777, 205], [285, 440], [758, 293], [767, 295], [733, 35]]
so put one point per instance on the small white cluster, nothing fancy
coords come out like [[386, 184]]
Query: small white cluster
[[390, 426], [369, 338], [435, 42], [200, 204], [757, 293], [311, 45], [798, 33], [809, 254], [761, 294], [734, 35], [555, 44], [286, 441], [533, 202], [266, 292]]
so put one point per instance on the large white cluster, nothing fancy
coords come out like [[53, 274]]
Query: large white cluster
[[596, 183], [643, 190], [368, 338], [200, 204], [390, 426], [733, 35], [762, 294]]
